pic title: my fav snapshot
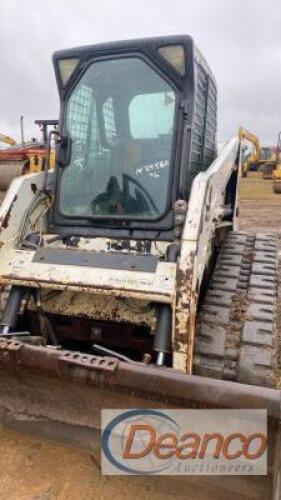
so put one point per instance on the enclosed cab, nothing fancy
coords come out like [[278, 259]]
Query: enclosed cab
[[138, 122]]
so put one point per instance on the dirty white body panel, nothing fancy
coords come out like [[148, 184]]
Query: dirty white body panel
[[175, 283], [203, 221], [17, 265]]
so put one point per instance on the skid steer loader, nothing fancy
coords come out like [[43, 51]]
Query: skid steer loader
[[124, 280]]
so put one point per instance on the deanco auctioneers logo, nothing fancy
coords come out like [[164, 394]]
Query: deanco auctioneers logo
[[184, 442]]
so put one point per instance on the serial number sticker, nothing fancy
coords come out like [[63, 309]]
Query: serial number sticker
[[152, 169]]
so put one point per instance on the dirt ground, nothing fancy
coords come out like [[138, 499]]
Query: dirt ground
[[259, 206], [31, 469]]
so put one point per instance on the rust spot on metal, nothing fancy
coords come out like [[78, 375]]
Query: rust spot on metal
[[10, 351], [6, 218], [184, 319], [33, 187], [89, 361], [169, 386], [10, 345]]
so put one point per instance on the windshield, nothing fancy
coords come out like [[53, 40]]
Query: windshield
[[120, 117]]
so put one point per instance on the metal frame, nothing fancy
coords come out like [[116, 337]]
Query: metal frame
[[177, 284]]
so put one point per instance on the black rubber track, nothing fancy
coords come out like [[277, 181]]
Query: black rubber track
[[236, 336]]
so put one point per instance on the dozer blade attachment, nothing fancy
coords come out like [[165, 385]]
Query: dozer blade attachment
[[58, 395]]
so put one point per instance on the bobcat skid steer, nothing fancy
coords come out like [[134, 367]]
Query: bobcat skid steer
[[124, 282]]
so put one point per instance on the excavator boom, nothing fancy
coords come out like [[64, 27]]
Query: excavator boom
[[248, 136], [7, 140]]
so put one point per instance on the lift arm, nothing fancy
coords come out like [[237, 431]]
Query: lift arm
[[248, 136]]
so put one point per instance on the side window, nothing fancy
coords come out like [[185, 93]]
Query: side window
[[199, 121], [109, 120], [141, 109], [83, 125], [78, 113], [203, 138]]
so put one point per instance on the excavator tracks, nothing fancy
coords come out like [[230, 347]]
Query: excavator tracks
[[236, 335]]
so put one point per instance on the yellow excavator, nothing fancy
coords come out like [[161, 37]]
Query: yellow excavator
[[254, 157], [266, 157]]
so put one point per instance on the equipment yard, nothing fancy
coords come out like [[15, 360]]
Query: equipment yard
[[33, 469], [259, 206], [140, 250]]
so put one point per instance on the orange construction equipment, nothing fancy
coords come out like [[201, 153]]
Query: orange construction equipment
[[20, 159]]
